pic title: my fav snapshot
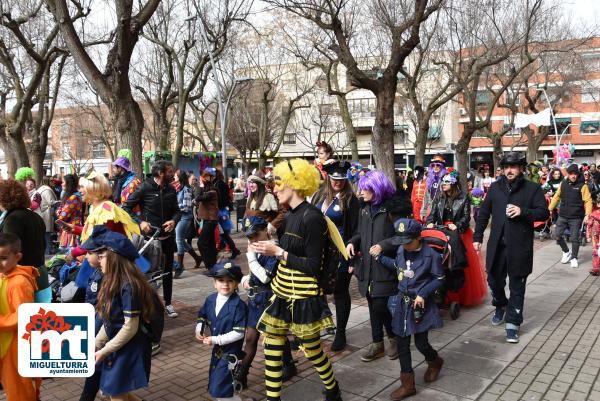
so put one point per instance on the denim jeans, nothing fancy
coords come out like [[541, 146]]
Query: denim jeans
[[181, 232]]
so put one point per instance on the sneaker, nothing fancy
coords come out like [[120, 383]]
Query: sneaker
[[171, 311], [177, 273], [574, 263], [374, 351], [565, 257], [595, 272], [155, 349], [512, 336], [498, 317]]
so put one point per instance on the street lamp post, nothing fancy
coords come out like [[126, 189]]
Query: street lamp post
[[553, 121]]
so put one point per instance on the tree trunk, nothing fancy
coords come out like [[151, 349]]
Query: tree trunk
[[497, 152], [19, 150], [421, 144], [129, 122], [11, 161], [179, 135], [462, 155], [382, 142], [350, 131], [37, 164]]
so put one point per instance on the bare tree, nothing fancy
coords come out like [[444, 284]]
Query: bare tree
[[28, 51], [113, 84], [355, 31]]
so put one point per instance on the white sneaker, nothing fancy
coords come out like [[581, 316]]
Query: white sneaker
[[574, 263], [566, 257], [171, 311]]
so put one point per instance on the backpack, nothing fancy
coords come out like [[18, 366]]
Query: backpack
[[154, 328], [331, 259]]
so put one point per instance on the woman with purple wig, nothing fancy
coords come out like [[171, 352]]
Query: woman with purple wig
[[435, 172], [375, 282]]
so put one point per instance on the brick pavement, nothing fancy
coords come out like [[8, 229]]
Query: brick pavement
[[562, 361], [475, 358]]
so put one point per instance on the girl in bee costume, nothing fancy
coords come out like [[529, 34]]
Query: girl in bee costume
[[298, 304]]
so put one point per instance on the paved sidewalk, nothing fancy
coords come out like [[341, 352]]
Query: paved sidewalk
[[561, 304]]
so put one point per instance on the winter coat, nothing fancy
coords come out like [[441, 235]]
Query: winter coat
[[158, 203], [31, 230], [373, 277], [461, 211], [517, 233], [45, 210]]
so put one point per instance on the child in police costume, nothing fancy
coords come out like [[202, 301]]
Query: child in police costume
[[420, 274], [123, 300], [225, 314], [257, 284], [17, 285]]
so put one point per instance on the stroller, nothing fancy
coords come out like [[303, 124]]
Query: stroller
[[455, 279], [153, 259], [61, 279]]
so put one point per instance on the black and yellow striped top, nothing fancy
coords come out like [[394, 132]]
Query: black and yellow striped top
[[304, 235]]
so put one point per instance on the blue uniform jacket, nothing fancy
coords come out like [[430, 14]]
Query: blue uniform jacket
[[231, 317], [428, 277]]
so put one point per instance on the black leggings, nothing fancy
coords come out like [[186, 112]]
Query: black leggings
[[422, 344], [380, 317], [168, 250], [206, 243], [341, 297]]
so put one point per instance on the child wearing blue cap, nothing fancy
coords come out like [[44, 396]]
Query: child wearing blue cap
[[124, 298], [420, 274], [225, 314]]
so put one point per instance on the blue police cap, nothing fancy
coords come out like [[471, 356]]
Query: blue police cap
[[253, 224], [211, 171], [103, 238], [227, 269], [406, 230]]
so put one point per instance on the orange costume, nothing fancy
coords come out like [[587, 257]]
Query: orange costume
[[417, 196], [16, 288]]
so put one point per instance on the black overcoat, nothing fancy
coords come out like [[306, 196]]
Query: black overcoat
[[518, 232], [372, 276]]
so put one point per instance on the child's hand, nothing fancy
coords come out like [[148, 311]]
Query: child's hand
[[207, 340], [99, 357], [419, 301], [375, 250], [199, 337]]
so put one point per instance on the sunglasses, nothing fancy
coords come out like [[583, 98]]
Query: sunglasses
[[447, 182], [436, 164]]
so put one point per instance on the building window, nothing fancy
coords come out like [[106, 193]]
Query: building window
[[289, 138], [64, 128], [98, 150], [483, 98], [362, 107], [562, 125], [590, 94], [65, 150], [589, 127], [400, 133], [513, 95], [326, 109], [592, 62]]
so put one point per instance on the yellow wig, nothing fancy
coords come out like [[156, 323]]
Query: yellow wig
[[300, 175]]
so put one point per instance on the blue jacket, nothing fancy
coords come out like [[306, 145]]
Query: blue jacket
[[428, 276], [231, 317]]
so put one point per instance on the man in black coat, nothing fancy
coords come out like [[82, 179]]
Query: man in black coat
[[158, 201], [513, 203]]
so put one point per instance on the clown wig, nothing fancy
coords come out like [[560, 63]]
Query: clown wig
[[299, 175], [377, 183], [477, 192], [24, 173]]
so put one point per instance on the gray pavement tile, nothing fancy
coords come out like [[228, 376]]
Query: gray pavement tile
[[486, 349], [472, 364], [383, 366], [359, 336], [423, 394], [306, 390], [459, 383]]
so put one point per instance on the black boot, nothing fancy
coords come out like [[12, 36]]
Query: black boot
[[334, 394], [339, 341]]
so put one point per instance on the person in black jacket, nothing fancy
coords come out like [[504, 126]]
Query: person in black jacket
[[375, 282], [159, 208], [514, 204], [225, 205], [337, 201]]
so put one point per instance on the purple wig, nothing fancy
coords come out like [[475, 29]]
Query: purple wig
[[433, 180], [477, 192], [377, 183]]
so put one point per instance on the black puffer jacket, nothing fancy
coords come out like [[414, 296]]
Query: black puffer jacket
[[158, 203], [461, 211], [372, 276]]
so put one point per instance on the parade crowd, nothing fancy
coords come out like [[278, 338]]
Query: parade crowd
[[411, 241]]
